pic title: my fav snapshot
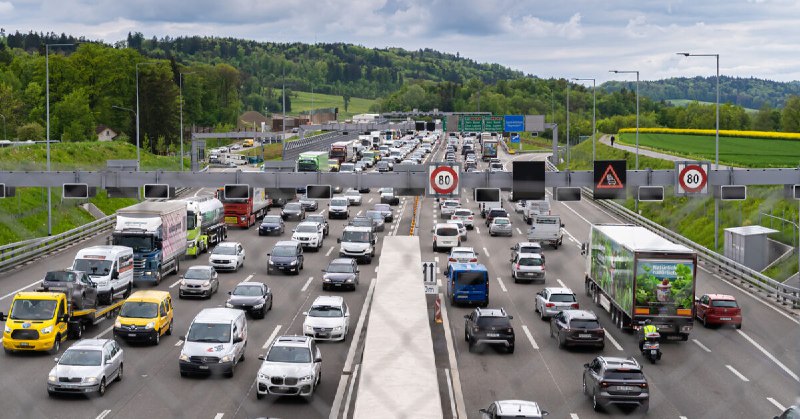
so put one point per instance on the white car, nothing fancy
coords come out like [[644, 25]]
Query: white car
[[461, 255], [527, 267], [500, 226], [353, 196], [328, 319], [551, 300], [227, 256], [310, 234], [292, 367], [462, 229], [448, 207], [465, 215]]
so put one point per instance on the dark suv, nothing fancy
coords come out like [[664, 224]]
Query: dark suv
[[495, 212], [577, 328], [491, 326], [612, 380], [286, 256]]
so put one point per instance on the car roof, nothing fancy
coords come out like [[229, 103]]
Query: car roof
[[328, 300], [293, 340], [148, 296], [359, 229], [721, 297], [228, 244], [558, 290], [580, 314], [513, 408], [89, 343], [217, 315]]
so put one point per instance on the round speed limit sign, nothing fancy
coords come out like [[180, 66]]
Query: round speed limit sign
[[693, 178], [443, 180]]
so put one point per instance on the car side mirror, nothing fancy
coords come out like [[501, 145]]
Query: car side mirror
[[262, 358], [484, 411], [583, 248], [373, 241], [545, 413], [323, 270], [466, 316], [230, 292], [93, 284], [338, 240], [2, 316], [238, 339], [305, 313], [115, 275], [510, 317], [55, 360], [62, 319], [585, 365], [269, 254], [183, 338], [562, 225], [318, 359]]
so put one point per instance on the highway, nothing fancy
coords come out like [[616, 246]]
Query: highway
[[718, 373]]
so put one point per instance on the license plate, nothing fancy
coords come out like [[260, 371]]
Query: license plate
[[584, 335], [492, 335], [627, 388], [724, 318], [323, 335], [203, 367], [337, 285], [131, 335], [24, 344], [653, 352]]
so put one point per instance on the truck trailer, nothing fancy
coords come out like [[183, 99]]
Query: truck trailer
[[313, 161], [156, 231], [636, 275], [241, 212], [489, 149], [205, 224], [343, 151]]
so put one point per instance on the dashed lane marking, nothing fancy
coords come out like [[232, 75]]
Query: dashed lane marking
[[305, 287], [613, 341], [737, 373], [561, 283], [502, 285], [329, 251], [776, 404], [770, 356], [703, 347], [530, 336], [271, 337]]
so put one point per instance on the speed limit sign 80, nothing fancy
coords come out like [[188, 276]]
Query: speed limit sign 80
[[443, 180], [692, 178]]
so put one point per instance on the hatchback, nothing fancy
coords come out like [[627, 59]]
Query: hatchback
[[500, 226], [552, 300], [527, 267], [718, 309], [619, 381], [340, 273], [577, 328], [227, 256], [88, 366]]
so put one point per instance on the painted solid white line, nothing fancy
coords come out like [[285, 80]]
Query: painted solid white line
[[436, 258], [450, 391], [682, 417], [370, 200], [351, 353], [438, 282], [703, 347], [249, 277], [175, 283], [530, 336], [350, 392], [613, 341], [19, 290], [478, 229], [337, 401], [305, 287], [323, 212], [108, 329], [576, 213], [358, 213], [502, 285], [770, 356], [775, 402], [376, 268], [571, 237], [467, 200], [561, 283], [737, 373], [103, 414], [573, 416], [272, 336], [328, 253], [179, 342], [519, 231], [486, 252], [461, 409], [219, 416]]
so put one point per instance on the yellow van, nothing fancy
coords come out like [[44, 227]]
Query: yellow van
[[145, 316], [248, 142]]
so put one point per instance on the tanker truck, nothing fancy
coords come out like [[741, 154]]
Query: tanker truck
[[205, 224]]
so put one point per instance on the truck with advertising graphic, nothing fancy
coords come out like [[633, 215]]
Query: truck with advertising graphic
[[343, 151], [205, 224], [636, 275], [489, 149], [156, 231], [244, 212], [313, 161]]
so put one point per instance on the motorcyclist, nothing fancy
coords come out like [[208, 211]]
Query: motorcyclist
[[648, 329]]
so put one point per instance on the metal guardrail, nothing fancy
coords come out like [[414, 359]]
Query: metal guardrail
[[28, 250], [783, 294]]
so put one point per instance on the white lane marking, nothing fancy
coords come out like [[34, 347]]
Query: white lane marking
[[370, 200], [19, 290], [249, 277], [438, 282], [519, 231], [467, 199], [737, 373], [175, 283], [682, 417], [350, 392], [450, 391], [348, 363], [376, 268], [571, 237], [219, 415], [530, 336], [103, 414], [561, 283], [305, 287], [328, 253], [323, 212], [502, 285], [703, 347], [110, 328], [613, 341], [271, 337], [573, 416], [358, 213], [461, 409], [770, 356], [486, 252], [576, 213], [478, 229], [179, 342], [775, 402], [337, 401]]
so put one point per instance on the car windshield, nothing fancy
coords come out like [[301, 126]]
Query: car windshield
[[356, 236], [471, 278], [81, 357], [283, 251], [338, 202], [224, 250], [493, 321], [197, 274], [272, 219], [60, 276], [501, 221], [33, 309], [374, 214], [340, 268], [93, 266], [292, 207], [447, 231], [247, 290], [139, 310], [624, 375], [209, 332], [306, 228], [584, 324], [382, 207], [562, 298], [325, 311], [530, 262], [724, 304], [289, 354]]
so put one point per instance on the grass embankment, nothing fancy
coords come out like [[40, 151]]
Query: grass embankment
[[694, 217], [531, 143], [733, 151], [24, 216], [302, 102], [271, 151]]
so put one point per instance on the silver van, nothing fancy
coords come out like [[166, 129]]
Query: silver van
[[215, 343]]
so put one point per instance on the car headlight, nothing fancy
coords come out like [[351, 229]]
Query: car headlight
[[226, 358], [7, 329], [184, 357], [52, 378], [206, 283], [90, 380], [148, 273], [150, 325], [294, 262], [271, 262], [258, 306], [262, 376], [47, 330], [242, 218], [326, 280], [228, 304], [308, 328], [307, 378], [117, 324], [349, 280], [337, 329], [183, 282]]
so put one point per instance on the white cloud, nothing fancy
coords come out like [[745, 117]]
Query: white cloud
[[5, 7]]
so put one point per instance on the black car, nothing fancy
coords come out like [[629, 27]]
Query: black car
[[277, 202], [619, 381], [286, 256], [320, 219], [293, 210], [252, 297], [271, 224], [489, 326], [340, 273], [577, 328], [495, 212], [386, 210]]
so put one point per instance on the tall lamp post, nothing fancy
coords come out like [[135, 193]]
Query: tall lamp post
[[180, 87], [594, 113], [47, 89], [138, 155], [637, 108], [568, 128], [716, 145]]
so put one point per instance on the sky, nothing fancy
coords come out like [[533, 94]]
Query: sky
[[562, 39]]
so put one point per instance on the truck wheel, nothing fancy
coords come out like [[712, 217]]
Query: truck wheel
[[177, 265], [77, 331]]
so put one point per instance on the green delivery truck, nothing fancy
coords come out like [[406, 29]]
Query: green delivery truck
[[635, 275], [313, 161]]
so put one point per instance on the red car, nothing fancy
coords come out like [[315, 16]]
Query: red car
[[718, 309]]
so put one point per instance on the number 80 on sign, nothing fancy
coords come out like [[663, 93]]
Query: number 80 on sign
[[692, 178], [443, 180]]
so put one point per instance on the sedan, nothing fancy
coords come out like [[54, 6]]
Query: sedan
[[200, 281], [353, 196], [340, 273], [308, 204], [319, 219], [500, 226], [448, 208], [717, 309], [577, 328], [252, 297], [552, 300], [227, 255], [293, 210], [461, 255], [464, 215], [88, 366], [377, 218], [386, 210], [271, 224]]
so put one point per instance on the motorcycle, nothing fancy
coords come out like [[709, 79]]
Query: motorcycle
[[651, 349]]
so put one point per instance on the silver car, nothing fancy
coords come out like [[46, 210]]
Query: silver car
[[377, 218], [199, 281], [552, 300], [527, 267], [500, 226], [88, 366]]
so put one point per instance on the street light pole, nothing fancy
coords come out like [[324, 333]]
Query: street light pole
[[47, 89], [568, 129], [180, 83], [594, 112], [637, 108]]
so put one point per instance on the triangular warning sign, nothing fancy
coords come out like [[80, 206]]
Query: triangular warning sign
[[610, 180]]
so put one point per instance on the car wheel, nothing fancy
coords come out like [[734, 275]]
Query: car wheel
[[229, 374], [595, 405], [510, 349], [157, 339], [471, 346], [738, 326], [704, 321], [169, 329], [541, 315], [536, 308], [645, 406], [119, 373], [56, 346], [259, 396], [551, 330], [101, 391]]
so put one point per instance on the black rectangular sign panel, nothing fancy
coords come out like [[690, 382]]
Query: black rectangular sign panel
[[318, 191], [487, 194], [733, 192], [430, 126], [651, 193], [568, 194], [609, 179], [237, 191], [75, 190], [419, 125], [156, 191], [796, 191], [528, 180]]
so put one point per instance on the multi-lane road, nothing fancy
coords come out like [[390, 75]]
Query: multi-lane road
[[718, 373]]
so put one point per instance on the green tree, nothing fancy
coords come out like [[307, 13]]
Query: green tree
[[73, 118], [767, 119], [790, 117], [31, 131]]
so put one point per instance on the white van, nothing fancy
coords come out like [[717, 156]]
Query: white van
[[546, 229], [445, 236], [215, 342], [110, 267]]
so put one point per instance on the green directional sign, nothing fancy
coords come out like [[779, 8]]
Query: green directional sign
[[493, 124], [478, 123]]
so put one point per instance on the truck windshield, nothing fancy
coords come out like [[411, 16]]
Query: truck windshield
[[355, 237], [471, 278], [306, 166], [191, 220], [289, 354], [209, 332], [137, 243], [139, 310], [93, 266], [33, 309], [81, 357]]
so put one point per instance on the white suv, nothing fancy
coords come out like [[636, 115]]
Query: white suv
[[292, 367], [310, 234], [328, 319], [353, 196], [227, 256]]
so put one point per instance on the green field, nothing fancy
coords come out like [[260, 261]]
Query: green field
[[581, 157], [531, 143], [742, 152], [301, 101], [684, 102]]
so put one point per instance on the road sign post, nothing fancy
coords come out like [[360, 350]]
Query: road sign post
[[443, 180], [429, 271], [692, 178]]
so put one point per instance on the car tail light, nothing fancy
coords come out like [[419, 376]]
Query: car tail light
[[469, 218], [643, 385], [575, 305], [549, 305], [451, 260], [509, 330], [473, 260]]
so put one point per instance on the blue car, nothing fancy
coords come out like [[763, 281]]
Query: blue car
[[271, 224]]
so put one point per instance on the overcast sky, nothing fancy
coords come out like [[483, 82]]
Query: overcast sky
[[561, 38]]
